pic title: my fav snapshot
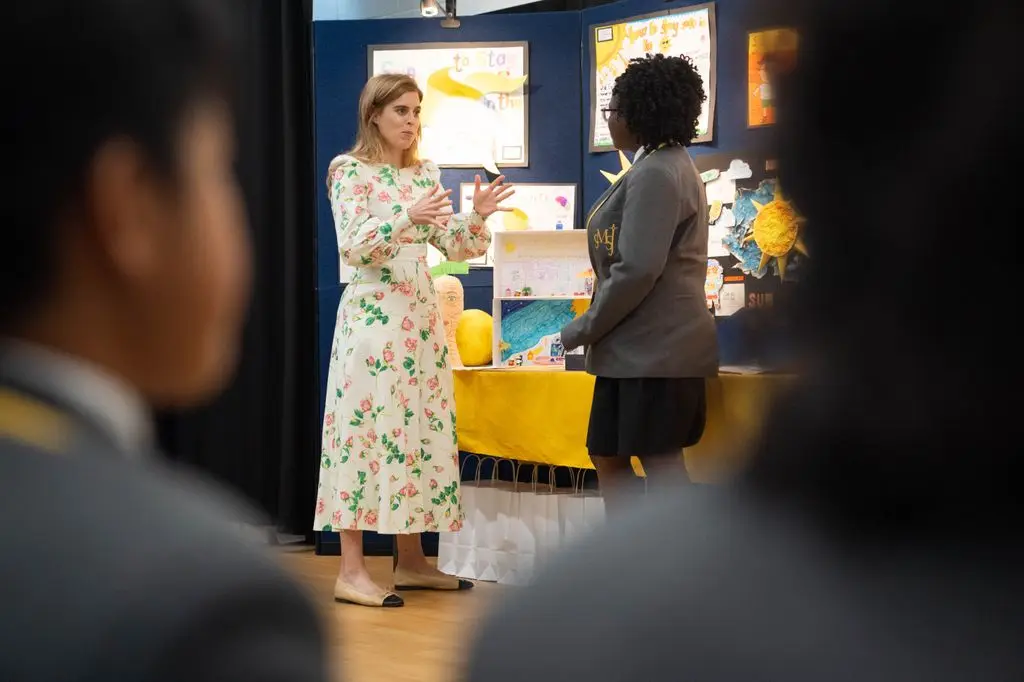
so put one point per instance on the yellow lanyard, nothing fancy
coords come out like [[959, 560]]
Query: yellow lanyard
[[33, 423]]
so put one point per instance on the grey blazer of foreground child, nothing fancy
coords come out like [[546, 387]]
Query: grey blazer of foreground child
[[648, 243]]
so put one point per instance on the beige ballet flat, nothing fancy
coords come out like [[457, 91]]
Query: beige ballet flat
[[384, 599], [405, 581]]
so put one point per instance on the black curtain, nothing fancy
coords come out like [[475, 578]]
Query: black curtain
[[259, 438]]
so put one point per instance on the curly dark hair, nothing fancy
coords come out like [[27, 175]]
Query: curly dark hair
[[660, 99]]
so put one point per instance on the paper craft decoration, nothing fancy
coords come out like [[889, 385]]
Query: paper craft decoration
[[713, 283], [531, 331], [474, 336], [741, 186], [475, 110], [731, 297], [767, 229], [624, 165], [781, 44], [686, 31], [536, 206]]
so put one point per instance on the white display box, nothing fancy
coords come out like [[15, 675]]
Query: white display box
[[542, 281]]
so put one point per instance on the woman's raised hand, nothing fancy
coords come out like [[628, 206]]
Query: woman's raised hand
[[487, 200], [430, 209]]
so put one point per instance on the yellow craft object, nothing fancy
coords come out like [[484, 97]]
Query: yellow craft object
[[624, 163], [579, 306], [488, 82], [474, 86], [716, 210], [442, 81], [474, 336], [776, 231], [516, 220]]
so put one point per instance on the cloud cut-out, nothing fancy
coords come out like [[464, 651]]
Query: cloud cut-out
[[738, 170]]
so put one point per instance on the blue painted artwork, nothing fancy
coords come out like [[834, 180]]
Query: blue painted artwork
[[531, 331], [749, 254]]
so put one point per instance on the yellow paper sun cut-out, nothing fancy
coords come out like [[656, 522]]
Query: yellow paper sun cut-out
[[776, 231], [614, 177]]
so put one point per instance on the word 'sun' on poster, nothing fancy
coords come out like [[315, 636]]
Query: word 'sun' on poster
[[475, 110], [687, 31]]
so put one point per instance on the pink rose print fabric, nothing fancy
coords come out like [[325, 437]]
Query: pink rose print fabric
[[389, 458]]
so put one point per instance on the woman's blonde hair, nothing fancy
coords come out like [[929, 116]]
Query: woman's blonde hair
[[379, 92]]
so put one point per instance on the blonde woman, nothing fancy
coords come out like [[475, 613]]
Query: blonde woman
[[389, 461]]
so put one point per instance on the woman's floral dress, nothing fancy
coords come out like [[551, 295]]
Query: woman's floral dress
[[389, 461]]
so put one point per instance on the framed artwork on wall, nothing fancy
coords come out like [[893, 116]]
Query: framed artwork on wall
[[535, 206], [686, 31], [475, 104], [781, 44]]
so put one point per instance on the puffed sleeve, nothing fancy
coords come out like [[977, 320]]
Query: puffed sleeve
[[363, 238], [464, 235]]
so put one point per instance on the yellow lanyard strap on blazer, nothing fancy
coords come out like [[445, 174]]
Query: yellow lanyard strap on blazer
[[32, 422]]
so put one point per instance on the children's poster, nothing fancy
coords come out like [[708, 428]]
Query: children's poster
[[686, 31], [540, 277], [531, 331], [474, 99], [781, 44]]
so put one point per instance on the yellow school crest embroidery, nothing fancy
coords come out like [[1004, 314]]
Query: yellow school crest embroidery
[[606, 238]]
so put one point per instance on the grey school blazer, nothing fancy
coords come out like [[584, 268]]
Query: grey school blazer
[[135, 569], [648, 243]]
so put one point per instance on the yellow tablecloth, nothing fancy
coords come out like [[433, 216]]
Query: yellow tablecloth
[[541, 416]]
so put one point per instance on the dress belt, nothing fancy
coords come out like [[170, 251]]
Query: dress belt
[[411, 252]]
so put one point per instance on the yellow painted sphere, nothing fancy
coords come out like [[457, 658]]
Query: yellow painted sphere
[[474, 336]]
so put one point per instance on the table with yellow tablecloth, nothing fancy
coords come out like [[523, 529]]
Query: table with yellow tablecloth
[[542, 415]]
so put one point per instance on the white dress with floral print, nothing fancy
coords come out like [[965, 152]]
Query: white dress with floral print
[[389, 460]]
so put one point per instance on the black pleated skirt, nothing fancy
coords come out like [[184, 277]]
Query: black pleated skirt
[[646, 416]]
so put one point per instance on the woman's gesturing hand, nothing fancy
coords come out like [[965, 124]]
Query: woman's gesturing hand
[[430, 209], [487, 200]]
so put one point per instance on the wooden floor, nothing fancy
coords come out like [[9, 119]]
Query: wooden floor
[[425, 641]]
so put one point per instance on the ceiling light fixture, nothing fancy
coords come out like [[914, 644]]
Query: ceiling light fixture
[[429, 8]]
